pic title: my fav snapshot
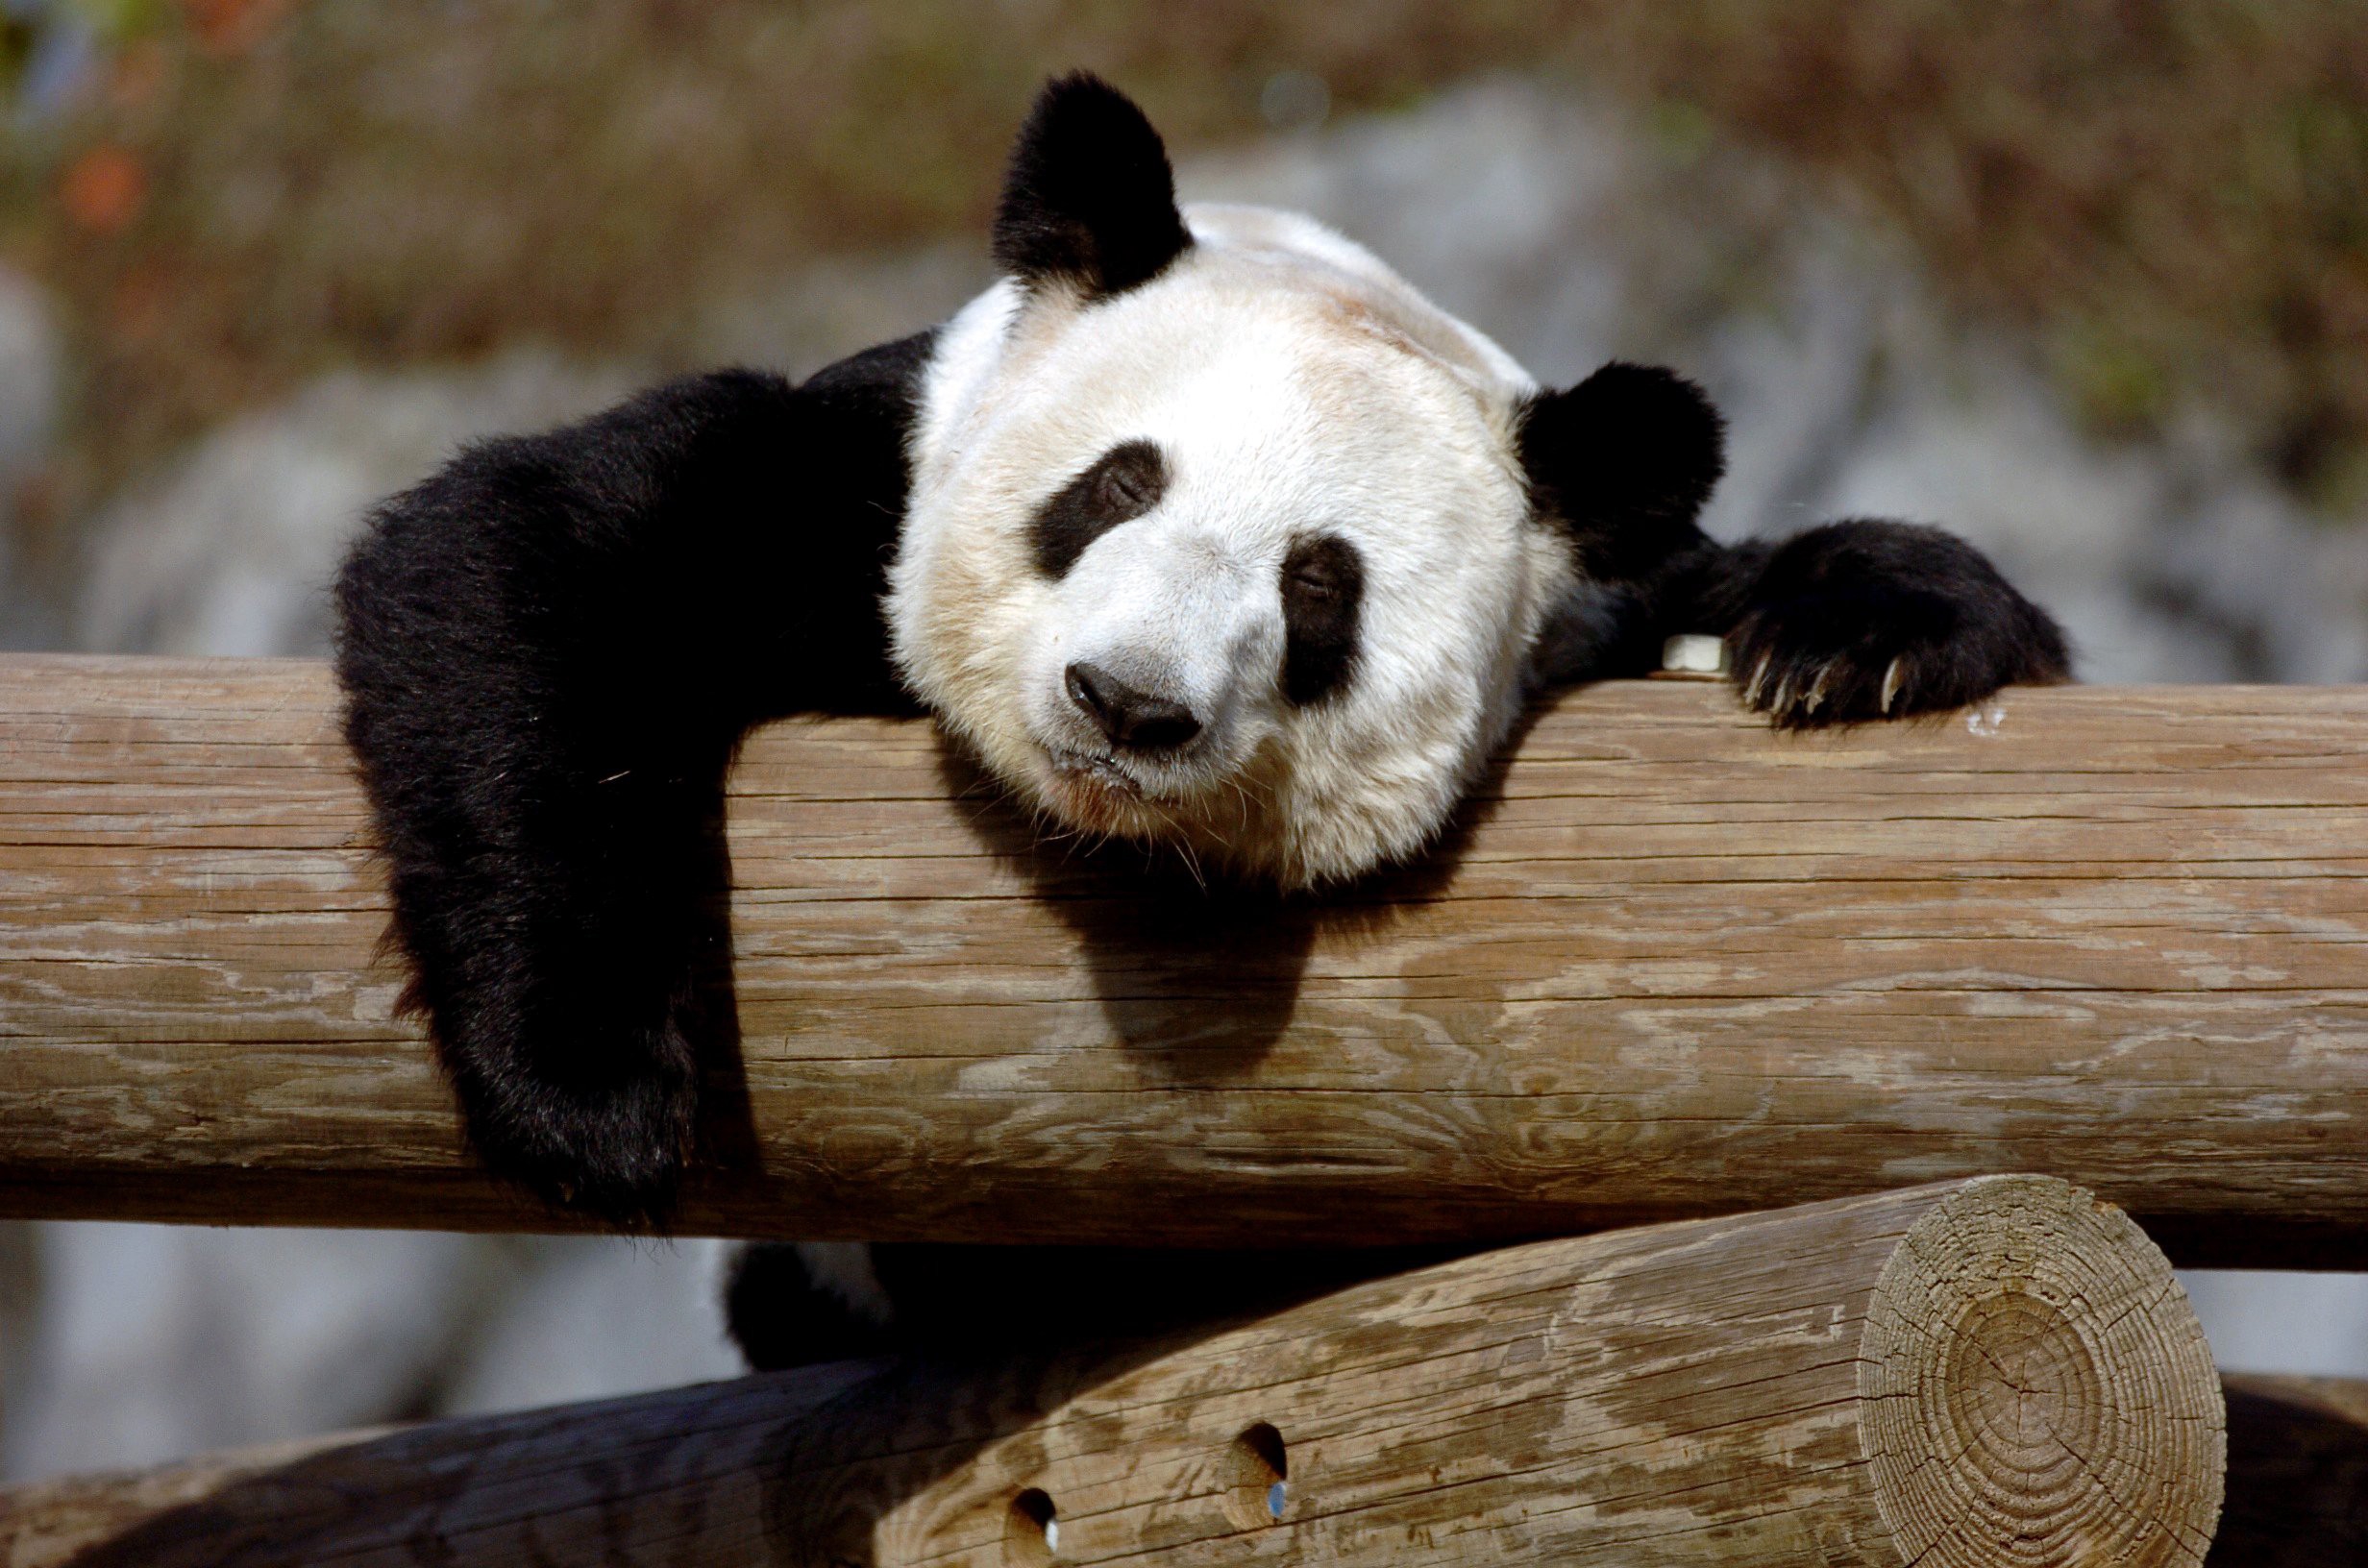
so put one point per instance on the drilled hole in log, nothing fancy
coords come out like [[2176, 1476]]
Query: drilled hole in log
[[1257, 1474], [1032, 1532], [2037, 1390]]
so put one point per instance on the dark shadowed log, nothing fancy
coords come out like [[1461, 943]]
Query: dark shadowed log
[[2298, 1473]]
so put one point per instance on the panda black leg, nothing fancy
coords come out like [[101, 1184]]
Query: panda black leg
[[547, 780], [1871, 620], [567, 1008], [796, 1303], [549, 651]]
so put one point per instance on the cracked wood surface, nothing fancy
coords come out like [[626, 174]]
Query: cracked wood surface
[[2000, 1370], [1670, 963]]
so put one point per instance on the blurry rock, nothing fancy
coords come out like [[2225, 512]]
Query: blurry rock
[[2260, 1320], [822, 310], [152, 1340], [597, 1318], [29, 352], [29, 367], [230, 549]]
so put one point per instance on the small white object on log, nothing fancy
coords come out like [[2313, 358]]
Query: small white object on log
[[1695, 653]]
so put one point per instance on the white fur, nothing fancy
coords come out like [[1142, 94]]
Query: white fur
[[1295, 386]]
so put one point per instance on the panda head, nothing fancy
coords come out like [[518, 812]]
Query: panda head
[[1222, 536]]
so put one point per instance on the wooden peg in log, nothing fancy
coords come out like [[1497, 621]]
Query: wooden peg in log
[[2000, 1370]]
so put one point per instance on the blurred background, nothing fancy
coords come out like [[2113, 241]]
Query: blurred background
[[2086, 279]]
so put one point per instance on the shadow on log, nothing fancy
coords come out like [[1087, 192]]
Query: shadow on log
[[2298, 1473], [1982, 1372]]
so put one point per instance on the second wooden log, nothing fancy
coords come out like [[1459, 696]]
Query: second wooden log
[[1994, 1371]]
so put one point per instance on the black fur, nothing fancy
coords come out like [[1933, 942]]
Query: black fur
[[1089, 200], [1821, 622], [550, 650], [1324, 592], [780, 1315], [1626, 460], [1117, 487]]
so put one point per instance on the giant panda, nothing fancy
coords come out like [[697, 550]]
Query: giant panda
[[1200, 527]]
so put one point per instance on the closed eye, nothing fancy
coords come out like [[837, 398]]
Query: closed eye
[[1324, 590], [1119, 486], [1314, 578]]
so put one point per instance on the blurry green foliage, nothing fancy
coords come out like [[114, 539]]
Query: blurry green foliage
[[17, 35], [2172, 193], [121, 19]]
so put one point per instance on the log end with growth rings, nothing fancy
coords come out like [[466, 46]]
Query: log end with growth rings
[[2038, 1388]]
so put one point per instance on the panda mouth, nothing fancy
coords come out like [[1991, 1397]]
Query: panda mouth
[[1102, 774], [1099, 795]]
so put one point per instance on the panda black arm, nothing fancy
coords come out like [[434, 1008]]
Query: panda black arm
[[549, 651], [1855, 620]]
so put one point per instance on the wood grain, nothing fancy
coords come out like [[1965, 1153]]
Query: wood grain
[[1671, 964], [1996, 1371]]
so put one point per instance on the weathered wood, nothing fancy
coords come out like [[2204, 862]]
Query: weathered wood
[[1674, 965], [1995, 1371]]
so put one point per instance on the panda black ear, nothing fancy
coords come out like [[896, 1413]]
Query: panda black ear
[[1089, 200], [1625, 462]]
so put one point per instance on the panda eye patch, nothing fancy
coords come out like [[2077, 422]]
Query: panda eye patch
[[1117, 487], [1323, 587]]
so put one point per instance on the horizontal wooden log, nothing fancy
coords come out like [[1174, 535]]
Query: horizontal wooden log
[[2002, 1370], [1671, 964]]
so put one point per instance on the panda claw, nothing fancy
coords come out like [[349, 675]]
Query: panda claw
[[1891, 682], [1817, 691], [1759, 674]]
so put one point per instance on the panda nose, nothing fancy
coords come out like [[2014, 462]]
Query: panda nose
[[1130, 718]]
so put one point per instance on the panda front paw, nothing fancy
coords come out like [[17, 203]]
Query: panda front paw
[[1873, 620]]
